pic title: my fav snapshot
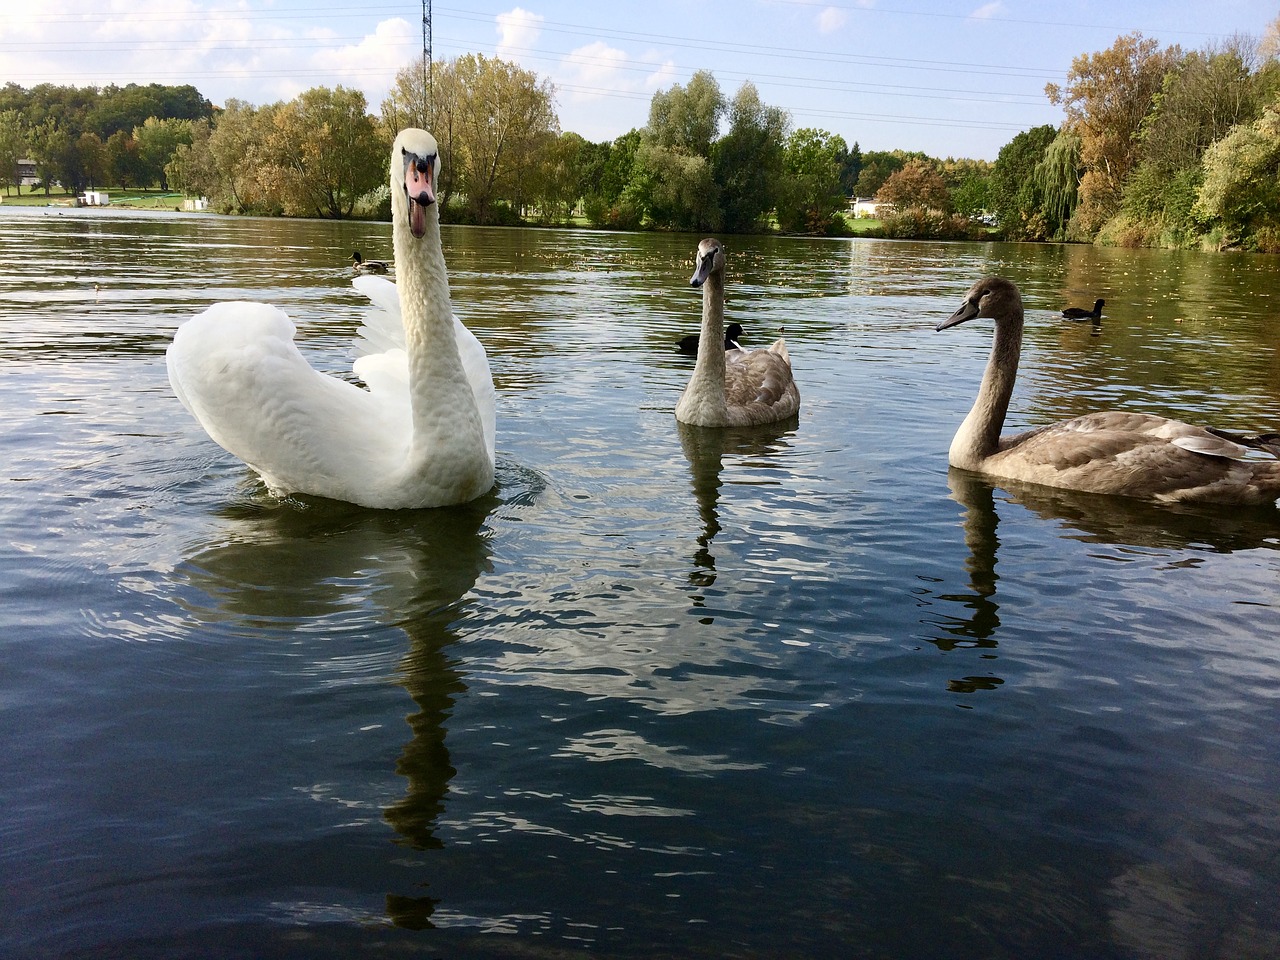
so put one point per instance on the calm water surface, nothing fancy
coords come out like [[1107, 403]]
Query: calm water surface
[[792, 692]]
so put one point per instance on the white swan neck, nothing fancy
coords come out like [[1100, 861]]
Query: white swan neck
[[446, 421]]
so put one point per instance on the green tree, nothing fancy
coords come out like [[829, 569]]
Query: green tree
[[123, 166], [672, 182], [969, 184], [1016, 196], [747, 162], [607, 170], [1202, 97], [851, 170], [13, 146], [878, 166], [192, 170], [51, 148], [687, 118], [557, 185], [810, 194], [157, 142], [492, 119], [1057, 179], [233, 146], [1241, 189], [91, 157], [124, 108], [673, 189]]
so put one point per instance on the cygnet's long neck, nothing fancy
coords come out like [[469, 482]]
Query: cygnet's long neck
[[979, 435], [708, 371], [445, 416]]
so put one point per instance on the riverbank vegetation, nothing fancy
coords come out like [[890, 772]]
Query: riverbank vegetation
[[1159, 147]]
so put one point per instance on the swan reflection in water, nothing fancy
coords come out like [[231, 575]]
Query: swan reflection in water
[[1124, 521], [705, 448], [280, 570], [1090, 518]]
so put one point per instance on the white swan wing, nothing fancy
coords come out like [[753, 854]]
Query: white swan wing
[[382, 363], [237, 369]]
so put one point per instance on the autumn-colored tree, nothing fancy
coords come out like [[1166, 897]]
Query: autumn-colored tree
[[429, 100], [1106, 98], [233, 152], [503, 116], [917, 184], [322, 153]]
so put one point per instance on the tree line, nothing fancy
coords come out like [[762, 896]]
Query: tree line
[[1160, 146], [80, 137]]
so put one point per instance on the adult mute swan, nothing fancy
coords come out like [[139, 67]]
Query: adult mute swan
[[1129, 454], [732, 388], [421, 435], [1080, 313]]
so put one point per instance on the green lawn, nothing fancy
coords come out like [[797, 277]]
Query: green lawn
[[118, 196]]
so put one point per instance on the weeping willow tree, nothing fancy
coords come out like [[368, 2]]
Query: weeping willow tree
[[1057, 176]]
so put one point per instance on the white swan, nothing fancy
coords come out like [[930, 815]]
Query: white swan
[[732, 388], [421, 435], [1128, 454]]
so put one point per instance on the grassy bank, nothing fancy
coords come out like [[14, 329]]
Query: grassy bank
[[119, 197]]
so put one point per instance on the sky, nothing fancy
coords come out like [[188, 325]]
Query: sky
[[950, 79]]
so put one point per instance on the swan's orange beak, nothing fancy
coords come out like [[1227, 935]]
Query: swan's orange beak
[[419, 190]]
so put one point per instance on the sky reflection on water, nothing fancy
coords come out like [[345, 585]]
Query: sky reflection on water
[[791, 692]]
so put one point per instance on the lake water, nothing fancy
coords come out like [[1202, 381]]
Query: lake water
[[796, 692]]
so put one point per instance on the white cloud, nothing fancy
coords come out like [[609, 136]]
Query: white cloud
[[832, 19], [518, 32], [601, 70], [371, 65], [987, 11], [601, 89]]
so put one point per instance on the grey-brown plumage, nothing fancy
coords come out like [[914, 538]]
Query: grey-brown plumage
[[732, 388], [1114, 452]]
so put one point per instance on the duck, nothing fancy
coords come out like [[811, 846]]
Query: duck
[[732, 338], [360, 265], [1112, 452], [419, 433], [1080, 313], [732, 388]]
